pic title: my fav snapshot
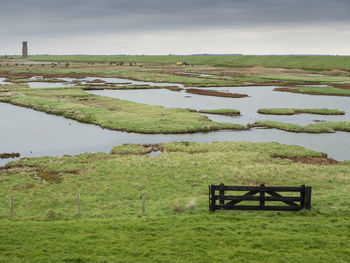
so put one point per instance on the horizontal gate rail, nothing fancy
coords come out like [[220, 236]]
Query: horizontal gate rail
[[219, 200]]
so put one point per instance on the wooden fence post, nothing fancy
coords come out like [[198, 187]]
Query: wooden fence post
[[262, 195], [308, 197], [143, 203], [222, 193], [213, 200], [11, 205], [302, 197], [78, 204], [209, 195]]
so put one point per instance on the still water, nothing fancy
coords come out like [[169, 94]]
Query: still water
[[259, 97], [33, 133]]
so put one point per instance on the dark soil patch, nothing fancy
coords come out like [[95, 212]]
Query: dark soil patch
[[216, 93], [314, 160]]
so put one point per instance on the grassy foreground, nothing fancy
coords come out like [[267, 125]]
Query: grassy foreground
[[288, 111], [112, 113], [177, 226]]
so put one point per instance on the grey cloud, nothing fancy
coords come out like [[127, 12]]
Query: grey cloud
[[79, 17]]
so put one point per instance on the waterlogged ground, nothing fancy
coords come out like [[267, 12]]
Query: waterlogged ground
[[66, 82], [33, 133], [177, 225], [51, 135], [259, 97]]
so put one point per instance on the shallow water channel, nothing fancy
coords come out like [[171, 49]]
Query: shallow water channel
[[33, 133], [259, 97]]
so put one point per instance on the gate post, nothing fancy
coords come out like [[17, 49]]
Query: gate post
[[212, 198], [308, 197], [262, 195], [302, 197], [222, 193]]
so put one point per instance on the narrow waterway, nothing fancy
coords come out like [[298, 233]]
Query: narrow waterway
[[259, 97], [33, 133]]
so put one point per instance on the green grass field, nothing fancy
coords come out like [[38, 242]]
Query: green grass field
[[316, 62], [177, 226], [323, 127]]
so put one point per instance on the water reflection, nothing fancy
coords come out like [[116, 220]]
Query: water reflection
[[259, 97], [33, 133]]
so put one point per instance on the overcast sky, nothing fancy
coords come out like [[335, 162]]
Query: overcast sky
[[175, 26]]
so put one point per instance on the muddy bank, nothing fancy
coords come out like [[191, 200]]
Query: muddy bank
[[216, 93]]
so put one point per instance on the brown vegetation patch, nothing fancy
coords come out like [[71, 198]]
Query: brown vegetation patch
[[8, 155], [50, 177], [314, 160], [342, 86], [216, 93], [336, 72], [173, 88]]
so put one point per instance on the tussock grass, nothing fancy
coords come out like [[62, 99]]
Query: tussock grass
[[288, 111]]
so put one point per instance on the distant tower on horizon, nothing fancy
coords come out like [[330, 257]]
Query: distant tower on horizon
[[24, 49]]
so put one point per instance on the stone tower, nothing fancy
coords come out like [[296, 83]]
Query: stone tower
[[24, 49]]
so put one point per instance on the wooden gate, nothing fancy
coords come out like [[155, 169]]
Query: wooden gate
[[261, 194]]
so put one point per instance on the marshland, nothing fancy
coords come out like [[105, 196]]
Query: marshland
[[110, 128]]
